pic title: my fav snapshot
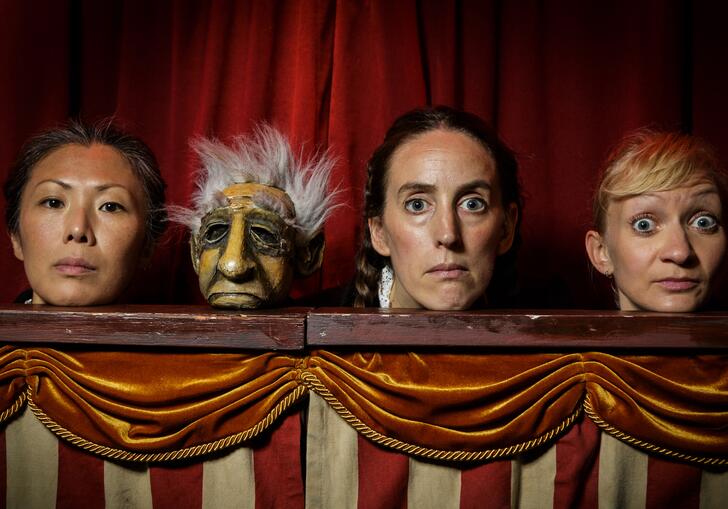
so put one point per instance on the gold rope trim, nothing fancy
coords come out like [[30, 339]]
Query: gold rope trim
[[188, 452], [13, 409], [312, 382], [641, 444]]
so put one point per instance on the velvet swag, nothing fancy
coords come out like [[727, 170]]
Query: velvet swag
[[139, 406]]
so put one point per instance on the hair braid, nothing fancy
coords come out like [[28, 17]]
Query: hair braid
[[369, 263]]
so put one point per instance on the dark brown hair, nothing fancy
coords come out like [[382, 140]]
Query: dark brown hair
[[135, 151], [369, 263]]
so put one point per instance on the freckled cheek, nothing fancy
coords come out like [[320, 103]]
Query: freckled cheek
[[124, 246], [712, 253], [482, 241]]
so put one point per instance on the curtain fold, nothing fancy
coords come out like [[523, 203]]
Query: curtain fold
[[678, 403], [152, 406]]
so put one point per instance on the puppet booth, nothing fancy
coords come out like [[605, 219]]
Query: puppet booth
[[166, 401]]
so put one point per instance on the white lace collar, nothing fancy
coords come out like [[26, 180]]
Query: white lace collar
[[386, 280]]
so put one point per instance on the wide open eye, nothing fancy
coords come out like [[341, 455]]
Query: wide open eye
[[644, 225], [704, 222], [473, 204], [415, 205], [215, 232]]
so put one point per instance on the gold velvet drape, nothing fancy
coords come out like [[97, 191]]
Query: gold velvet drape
[[160, 406]]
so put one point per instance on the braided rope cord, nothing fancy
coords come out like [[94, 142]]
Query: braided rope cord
[[13, 409], [311, 382], [314, 384], [188, 452], [646, 446]]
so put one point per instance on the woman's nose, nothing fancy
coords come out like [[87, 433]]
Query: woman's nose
[[446, 228], [233, 263], [78, 226], [676, 247]]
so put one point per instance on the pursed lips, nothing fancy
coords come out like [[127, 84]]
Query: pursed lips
[[224, 286], [447, 271], [71, 266], [678, 284]]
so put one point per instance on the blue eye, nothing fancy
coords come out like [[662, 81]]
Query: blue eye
[[704, 222], [111, 207], [644, 225], [473, 204], [415, 205]]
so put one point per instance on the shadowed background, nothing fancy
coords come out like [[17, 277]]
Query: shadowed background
[[561, 81]]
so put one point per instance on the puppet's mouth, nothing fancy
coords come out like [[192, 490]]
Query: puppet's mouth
[[235, 300]]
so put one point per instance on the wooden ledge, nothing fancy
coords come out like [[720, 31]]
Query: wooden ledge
[[297, 328], [159, 326], [569, 329]]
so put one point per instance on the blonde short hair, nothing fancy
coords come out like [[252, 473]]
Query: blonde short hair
[[653, 161]]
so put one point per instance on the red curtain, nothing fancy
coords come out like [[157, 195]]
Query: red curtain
[[561, 81]]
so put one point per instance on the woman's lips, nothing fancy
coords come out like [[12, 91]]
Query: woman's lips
[[678, 284], [447, 271], [74, 266]]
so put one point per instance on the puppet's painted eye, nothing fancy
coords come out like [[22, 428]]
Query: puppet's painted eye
[[215, 232], [264, 236]]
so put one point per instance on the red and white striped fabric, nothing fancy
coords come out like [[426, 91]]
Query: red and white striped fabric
[[584, 469], [38, 471]]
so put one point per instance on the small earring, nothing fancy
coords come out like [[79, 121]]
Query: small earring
[[608, 274]]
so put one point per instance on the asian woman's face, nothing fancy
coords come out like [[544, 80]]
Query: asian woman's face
[[664, 249], [443, 223], [82, 226]]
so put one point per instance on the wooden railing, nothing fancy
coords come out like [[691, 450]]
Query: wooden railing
[[293, 329]]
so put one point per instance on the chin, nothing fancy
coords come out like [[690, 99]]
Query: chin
[[235, 301], [672, 305], [678, 307], [444, 304], [76, 301]]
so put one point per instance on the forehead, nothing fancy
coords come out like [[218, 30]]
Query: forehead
[[442, 158], [251, 194], [79, 165], [695, 192]]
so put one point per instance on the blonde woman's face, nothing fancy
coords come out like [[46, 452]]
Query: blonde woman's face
[[664, 249]]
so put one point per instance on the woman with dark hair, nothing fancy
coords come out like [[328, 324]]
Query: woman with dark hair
[[85, 206], [441, 215]]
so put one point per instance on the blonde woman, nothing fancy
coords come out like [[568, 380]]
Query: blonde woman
[[658, 222]]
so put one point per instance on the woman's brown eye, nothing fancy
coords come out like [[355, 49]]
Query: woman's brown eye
[[215, 233], [264, 236]]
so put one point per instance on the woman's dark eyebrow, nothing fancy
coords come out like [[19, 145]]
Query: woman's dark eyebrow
[[429, 188], [418, 187], [475, 184], [65, 185]]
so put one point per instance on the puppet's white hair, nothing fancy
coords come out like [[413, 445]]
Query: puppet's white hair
[[264, 158]]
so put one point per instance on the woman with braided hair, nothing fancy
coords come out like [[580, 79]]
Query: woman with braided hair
[[441, 215]]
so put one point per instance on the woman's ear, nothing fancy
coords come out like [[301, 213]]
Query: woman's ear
[[509, 228], [380, 241], [17, 246], [596, 249]]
